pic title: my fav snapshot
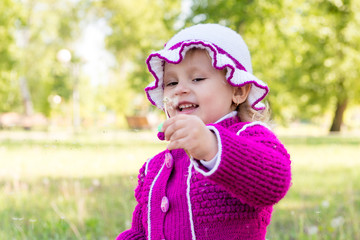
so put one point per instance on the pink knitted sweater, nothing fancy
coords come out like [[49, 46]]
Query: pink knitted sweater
[[178, 198]]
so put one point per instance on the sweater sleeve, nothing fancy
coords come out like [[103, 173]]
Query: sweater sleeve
[[253, 165], [136, 232]]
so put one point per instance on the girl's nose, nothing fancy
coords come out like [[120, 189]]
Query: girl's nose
[[181, 88]]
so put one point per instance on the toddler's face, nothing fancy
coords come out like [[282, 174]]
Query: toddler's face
[[195, 87]]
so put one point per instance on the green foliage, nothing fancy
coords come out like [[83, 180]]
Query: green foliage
[[258, 23], [9, 94], [10, 15], [329, 51], [41, 28], [51, 26], [138, 27], [116, 96], [306, 51]]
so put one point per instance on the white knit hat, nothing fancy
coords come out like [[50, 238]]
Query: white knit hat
[[227, 50]]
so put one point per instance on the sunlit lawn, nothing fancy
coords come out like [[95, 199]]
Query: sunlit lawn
[[82, 187], [324, 201]]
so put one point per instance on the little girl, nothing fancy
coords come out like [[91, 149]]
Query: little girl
[[223, 169]]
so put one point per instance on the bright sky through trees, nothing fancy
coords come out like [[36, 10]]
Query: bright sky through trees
[[91, 48]]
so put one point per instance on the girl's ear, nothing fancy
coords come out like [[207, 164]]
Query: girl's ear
[[240, 94]]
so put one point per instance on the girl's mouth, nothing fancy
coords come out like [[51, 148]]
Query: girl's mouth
[[186, 107]]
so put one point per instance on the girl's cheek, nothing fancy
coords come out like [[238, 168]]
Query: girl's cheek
[[172, 113]]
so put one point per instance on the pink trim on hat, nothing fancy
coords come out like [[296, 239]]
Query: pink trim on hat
[[215, 51], [220, 50]]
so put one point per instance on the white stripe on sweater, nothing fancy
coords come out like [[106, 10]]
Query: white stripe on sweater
[[218, 160], [251, 125], [147, 165], [217, 134], [189, 202], [149, 202]]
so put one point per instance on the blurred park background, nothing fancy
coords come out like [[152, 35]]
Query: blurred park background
[[76, 125]]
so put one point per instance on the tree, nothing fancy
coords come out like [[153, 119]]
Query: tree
[[306, 51], [259, 24], [330, 30], [10, 15], [138, 27], [46, 27]]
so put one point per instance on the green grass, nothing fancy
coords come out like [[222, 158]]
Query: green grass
[[82, 187], [324, 200]]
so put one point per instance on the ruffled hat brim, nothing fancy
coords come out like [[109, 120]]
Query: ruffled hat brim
[[236, 74]]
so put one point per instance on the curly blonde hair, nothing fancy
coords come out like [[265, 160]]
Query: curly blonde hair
[[247, 114]]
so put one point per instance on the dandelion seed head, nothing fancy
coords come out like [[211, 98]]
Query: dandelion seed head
[[312, 230], [46, 181], [170, 103], [337, 222], [96, 182], [325, 204], [127, 223]]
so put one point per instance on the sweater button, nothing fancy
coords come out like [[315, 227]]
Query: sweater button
[[164, 204], [168, 160]]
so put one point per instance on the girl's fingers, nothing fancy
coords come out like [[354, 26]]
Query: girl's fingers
[[173, 126], [179, 134], [178, 143], [187, 132]]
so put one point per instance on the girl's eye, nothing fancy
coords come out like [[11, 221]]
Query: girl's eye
[[170, 83], [198, 79]]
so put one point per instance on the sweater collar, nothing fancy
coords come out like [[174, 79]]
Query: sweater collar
[[228, 120], [229, 115]]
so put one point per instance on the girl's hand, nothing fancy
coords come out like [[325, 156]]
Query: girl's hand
[[191, 134]]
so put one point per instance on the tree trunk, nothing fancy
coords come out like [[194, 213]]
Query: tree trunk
[[339, 115], [25, 93]]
